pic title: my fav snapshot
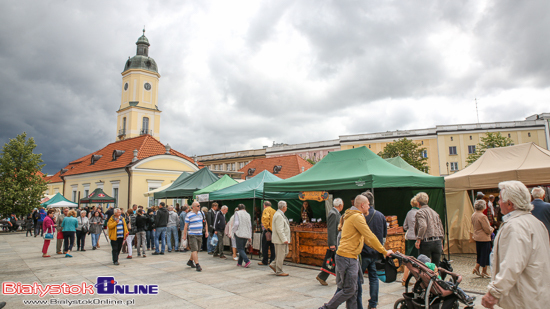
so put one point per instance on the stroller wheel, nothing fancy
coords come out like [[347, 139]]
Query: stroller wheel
[[400, 304]]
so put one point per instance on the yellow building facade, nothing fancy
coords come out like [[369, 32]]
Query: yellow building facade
[[137, 162]]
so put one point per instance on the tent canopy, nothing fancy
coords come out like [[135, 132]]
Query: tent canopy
[[97, 196], [63, 204], [222, 183], [527, 163], [152, 192], [185, 187], [251, 188], [399, 162], [353, 169], [58, 197]]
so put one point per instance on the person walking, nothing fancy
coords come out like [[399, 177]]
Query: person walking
[[541, 210], [59, 228], [267, 233], [96, 226], [482, 231], [132, 229], [49, 227], [69, 225], [43, 214], [35, 216], [428, 229], [210, 222], [118, 231], [82, 230], [172, 229], [141, 226], [219, 229], [281, 238], [29, 225], [333, 219], [520, 273], [149, 232], [194, 225], [242, 226], [410, 236], [231, 234], [182, 215], [161, 221], [355, 232]]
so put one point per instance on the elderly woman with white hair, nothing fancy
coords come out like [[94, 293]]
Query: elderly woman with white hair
[[482, 231], [520, 273]]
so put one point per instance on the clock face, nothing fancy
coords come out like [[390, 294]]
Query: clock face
[[147, 86], [125, 86]]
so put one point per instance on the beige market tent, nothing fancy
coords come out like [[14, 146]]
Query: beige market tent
[[527, 163]]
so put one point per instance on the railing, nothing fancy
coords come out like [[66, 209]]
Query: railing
[[121, 132], [145, 131]]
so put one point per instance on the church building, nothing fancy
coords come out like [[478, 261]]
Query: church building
[[136, 162]]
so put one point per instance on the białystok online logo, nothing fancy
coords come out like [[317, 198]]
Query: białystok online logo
[[104, 286]]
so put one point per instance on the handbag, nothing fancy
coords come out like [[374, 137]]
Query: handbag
[[48, 236], [329, 262], [268, 236], [386, 270]]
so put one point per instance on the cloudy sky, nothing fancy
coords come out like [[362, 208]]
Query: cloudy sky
[[242, 74]]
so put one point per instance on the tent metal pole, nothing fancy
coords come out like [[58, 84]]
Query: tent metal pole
[[446, 224]]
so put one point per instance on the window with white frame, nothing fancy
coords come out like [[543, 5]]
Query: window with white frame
[[454, 166], [115, 184], [452, 150], [471, 149], [233, 166], [424, 153], [74, 196]]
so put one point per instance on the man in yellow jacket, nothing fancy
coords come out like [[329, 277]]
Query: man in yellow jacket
[[117, 233], [355, 233], [267, 218]]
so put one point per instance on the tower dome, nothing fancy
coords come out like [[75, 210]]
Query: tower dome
[[142, 60]]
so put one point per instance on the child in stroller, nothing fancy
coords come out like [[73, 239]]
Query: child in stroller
[[430, 291]]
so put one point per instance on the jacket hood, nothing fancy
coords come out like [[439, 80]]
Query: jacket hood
[[351, 212], [163, 209]]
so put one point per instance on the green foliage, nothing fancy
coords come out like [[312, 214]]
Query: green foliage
[[409, 151], [491, 140], [21, 188], [311, 161]]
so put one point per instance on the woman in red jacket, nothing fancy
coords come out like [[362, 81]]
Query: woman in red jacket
[[48, 226]]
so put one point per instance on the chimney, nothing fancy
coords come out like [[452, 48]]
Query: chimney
[[135, 155], [168, 148]]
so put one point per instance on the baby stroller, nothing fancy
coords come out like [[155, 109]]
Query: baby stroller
[[429, 291]]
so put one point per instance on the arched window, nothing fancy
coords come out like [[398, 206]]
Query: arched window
[[124, 124], [145, 126]]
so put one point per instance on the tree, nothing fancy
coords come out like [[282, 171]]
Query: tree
[[409, 151], [491, 140], [21, 183], [311, 161]]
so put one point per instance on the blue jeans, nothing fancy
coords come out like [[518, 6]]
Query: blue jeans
[[209, 247], [172, 232], [150, 239], [95, 239], [241, 243], [160, 233], [370, 265]]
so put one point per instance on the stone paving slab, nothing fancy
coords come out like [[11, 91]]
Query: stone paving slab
[[221, 284]]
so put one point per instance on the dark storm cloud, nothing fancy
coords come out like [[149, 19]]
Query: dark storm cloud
[[346, 67]]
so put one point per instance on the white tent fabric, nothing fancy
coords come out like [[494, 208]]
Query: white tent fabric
[[152, 192], [527, 163], [63, 204]]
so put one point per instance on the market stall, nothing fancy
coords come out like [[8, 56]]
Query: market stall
[[58, 200], [184, 187], [347, 173], [203, 195], [97, 196]]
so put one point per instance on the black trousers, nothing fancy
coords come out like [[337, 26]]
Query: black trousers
[[265, 246], [80, 240], [116, 246], [36, 227], [68, 240], [431, 249]]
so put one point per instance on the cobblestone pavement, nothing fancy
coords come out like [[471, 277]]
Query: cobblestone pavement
[[220, 285]]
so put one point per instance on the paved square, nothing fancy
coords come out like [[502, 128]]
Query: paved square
[[221, 284]]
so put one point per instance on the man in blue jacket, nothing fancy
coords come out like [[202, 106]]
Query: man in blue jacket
[[43, 215], [377, 224], [541, 209]]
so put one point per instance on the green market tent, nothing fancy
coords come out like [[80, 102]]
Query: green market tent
[[184, 187], [399, 162], [347, 173], [58, 200], [224, 182], [97, 196], [252, 188]]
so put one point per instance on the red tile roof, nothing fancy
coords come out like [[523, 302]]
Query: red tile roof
[[146, 145], [291, 165]]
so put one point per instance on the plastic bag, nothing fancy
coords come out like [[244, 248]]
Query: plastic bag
[[214, 241]]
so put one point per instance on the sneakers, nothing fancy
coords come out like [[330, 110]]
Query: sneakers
[[282, 275], [321, 281], [162, 253], [129, 257], [93, 248], [247, 264], [261, 263], [68, 256], [198, 267], [116, 263], [210, 253], [190, 263], [83, 249], [144, 255], [156, 253], [235, 258], [215, 255], [222, 257]]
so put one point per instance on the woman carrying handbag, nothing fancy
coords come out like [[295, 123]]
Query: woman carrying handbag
[[49, 227]]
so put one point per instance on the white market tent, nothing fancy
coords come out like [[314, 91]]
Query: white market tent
[[63, 204], [152, 192], [527, 163]]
